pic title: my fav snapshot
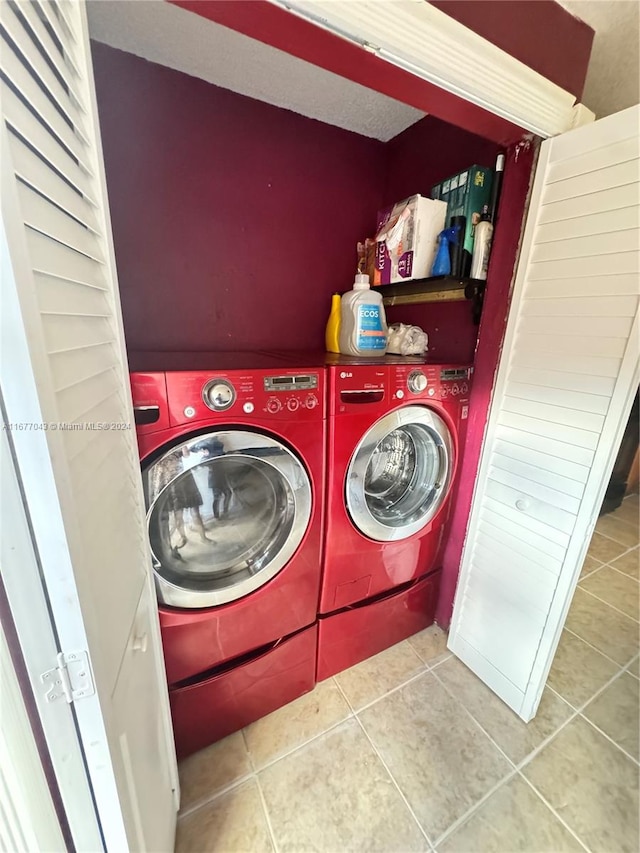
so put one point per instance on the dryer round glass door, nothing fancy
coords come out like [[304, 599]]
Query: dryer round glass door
[[400, 474], [225, 513]]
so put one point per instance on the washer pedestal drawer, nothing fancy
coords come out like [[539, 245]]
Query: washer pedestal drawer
[[351, 636]]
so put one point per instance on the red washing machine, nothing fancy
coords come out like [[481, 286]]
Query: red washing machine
[[232, 454], [394, 432]]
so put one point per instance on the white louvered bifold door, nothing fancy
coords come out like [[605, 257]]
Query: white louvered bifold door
[[84, 495], [565, 385]]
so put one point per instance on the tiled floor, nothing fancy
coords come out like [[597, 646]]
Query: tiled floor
[[410, 751]]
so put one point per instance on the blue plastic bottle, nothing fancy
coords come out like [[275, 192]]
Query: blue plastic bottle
[[442, 262]]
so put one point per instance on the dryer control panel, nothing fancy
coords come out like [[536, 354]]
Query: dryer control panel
[[260, 394], [172, 398]]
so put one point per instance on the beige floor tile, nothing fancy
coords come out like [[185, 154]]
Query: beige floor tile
[[627, 511], [592, 785], [513, 819], [441, 760], [603, 549], [431, 645], [335, 795], [629, 563], [634, 667], [578, 671], [234, 822], [628, 514], [514, 736], [296, 723], [622, 532], [611, 632], [618, 590], [589, 565], [617, 712], [205, 773], [374, 677]]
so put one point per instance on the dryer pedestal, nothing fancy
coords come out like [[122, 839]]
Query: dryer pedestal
[[225, 702]]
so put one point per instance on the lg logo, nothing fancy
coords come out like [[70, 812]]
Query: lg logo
[[345, 375]]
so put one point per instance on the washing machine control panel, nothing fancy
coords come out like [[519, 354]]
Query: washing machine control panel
[[455, 382], [259, 394], [410, 383], [367, 387]]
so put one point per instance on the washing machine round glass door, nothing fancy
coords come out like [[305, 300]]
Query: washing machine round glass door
[[400, 474], [225, 513]]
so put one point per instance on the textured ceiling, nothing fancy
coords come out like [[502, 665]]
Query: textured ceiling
[[613, 78], [171, 36]]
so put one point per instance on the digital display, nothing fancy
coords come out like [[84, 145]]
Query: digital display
[[454, 373], [301, 382]]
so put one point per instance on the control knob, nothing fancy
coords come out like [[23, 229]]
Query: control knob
[[417, 382], [219, 395], [273, 405], [311, 402], [293, 404]]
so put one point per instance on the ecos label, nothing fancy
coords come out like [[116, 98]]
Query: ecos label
[[369, 331]]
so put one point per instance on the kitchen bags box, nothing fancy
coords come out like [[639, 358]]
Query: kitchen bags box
[[465, 195], [407, 239]]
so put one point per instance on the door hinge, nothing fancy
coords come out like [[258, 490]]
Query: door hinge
[[71, 679]]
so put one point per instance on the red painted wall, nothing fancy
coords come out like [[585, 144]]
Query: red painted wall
[[429, 151], [233, 220]]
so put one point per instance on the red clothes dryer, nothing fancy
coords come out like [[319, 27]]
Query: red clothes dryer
[[394, 432], [232, 454]]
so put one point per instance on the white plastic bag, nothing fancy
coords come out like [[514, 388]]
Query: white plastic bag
[[406, 340]]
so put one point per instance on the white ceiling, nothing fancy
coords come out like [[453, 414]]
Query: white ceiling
[[168, 35]]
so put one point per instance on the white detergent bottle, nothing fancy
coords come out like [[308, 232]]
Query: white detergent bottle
[[363, 325]]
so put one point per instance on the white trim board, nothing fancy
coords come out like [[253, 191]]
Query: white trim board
[[428, 43]]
